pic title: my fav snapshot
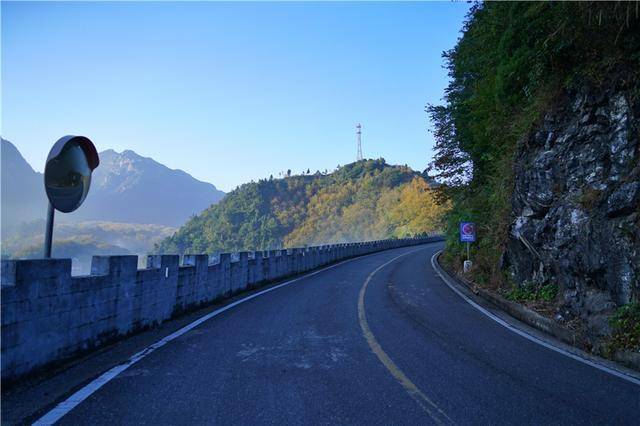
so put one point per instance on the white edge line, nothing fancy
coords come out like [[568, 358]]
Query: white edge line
[[527, 335], [86, 391]]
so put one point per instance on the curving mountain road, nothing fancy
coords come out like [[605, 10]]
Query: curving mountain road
[[376, 340]]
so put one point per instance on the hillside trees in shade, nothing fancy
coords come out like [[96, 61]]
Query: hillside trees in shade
[[80, 249], [361, 201], [82, 240], [513, 62]]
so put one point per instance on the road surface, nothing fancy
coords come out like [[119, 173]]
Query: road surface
[[375, 340]]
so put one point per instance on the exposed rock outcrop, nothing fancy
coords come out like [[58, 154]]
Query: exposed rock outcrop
[[576, 205]]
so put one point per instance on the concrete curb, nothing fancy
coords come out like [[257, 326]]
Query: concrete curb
[[537, 321], [523, 313]]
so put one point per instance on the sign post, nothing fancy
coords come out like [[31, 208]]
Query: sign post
[[467, 235]]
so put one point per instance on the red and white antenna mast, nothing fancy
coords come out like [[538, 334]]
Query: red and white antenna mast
[[359, 141]]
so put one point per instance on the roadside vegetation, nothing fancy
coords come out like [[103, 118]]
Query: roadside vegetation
[[512, 62], [532, 293], [626, 328]]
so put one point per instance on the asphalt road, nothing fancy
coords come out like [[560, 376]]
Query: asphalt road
[[323, 350]]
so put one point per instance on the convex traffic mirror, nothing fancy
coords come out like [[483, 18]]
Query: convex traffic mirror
[[67, 177], [67, 173]]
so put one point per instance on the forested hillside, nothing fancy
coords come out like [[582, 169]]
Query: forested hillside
[[514, 62], [360, 201], [538, 142]]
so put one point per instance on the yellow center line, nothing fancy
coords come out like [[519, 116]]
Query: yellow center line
[[430, 407]]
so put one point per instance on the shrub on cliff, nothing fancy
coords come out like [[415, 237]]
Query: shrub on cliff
[[626, 327]]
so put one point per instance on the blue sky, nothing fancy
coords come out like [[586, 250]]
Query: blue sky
[[227, 92]]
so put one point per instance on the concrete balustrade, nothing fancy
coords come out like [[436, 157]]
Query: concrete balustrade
[[49, 316]]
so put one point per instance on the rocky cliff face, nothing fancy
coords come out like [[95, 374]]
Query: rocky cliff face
[[576, 205]]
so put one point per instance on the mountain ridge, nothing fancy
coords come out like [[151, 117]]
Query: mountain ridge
[[22, 188], [126, 187]]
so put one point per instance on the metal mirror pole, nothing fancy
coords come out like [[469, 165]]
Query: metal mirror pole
[[48, 233]]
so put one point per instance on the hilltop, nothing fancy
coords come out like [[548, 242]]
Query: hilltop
[[366, 200]]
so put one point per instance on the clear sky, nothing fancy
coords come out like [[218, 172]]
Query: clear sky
[[228, 92]]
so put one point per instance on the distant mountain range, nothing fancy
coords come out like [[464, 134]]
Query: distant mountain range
[[126, 187]]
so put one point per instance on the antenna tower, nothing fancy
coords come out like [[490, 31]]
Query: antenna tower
[[359, 141]]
